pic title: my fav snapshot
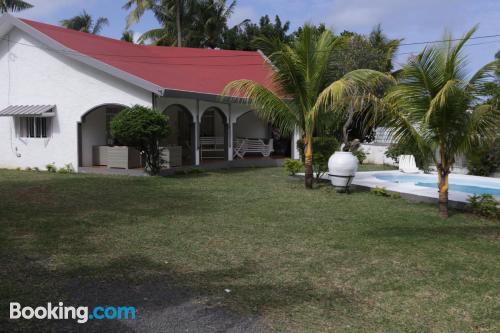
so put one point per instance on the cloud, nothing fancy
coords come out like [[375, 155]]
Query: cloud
[[242, 13], [396, 15]]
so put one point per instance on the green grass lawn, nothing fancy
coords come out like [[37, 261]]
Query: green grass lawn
[[298, 260]]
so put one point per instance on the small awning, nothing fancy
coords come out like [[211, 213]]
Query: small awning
[[29, 111]]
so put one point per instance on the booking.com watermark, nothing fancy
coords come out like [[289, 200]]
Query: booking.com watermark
[[81, 314]]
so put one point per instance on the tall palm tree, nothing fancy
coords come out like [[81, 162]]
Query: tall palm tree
[[437, 106], [13, 5], [166, 34], [85, 23], [302, 72], [163, 10], [210, 21], [388, 47]]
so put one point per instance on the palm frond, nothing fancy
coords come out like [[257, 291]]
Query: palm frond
[[267, 104], [159, 36], [139, 8], [99, 24], [485, 74], [14, 5]]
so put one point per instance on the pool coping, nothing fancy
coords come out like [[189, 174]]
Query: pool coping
[[366, 180]]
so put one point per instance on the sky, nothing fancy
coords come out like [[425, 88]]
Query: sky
[[413, 20]]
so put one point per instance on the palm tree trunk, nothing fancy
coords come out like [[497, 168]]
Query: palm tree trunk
[[178, 22], [443, 193], [308, 157], [347, 125]]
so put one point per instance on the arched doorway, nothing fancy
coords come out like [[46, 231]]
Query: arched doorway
[[94, 131], [182, 133], [213, 135], [261, 136]]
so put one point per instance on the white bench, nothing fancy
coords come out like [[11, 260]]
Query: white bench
[[243, 146], [212, 144]]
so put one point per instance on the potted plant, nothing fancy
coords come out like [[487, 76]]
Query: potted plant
[[343, 165]]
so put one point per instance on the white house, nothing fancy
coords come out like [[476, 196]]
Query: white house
[[60, 88]]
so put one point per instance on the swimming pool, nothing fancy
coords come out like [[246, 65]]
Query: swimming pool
[[471, 186], [425, 185]]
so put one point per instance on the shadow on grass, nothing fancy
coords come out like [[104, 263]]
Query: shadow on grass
[[489, 231], [166, 298]]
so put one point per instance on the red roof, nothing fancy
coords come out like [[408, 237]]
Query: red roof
[[184, 69]]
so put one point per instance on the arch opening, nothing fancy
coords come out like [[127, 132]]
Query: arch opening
[[180, 142], [213, 135], [94, 133], [256, 138]]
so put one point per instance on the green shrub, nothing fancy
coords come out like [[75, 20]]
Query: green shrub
[[380, 191], [27, 169], [51, 167], [293, 166], [484, 160], [142, 127], [484, 205], [68, 168], [195, 171], [323, 148], [37, 169], [360, 155], [395, 195]]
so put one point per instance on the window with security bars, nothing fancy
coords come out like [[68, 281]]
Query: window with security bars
[[34, 127]]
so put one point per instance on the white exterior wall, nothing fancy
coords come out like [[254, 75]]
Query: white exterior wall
[[34, 75], [250, 126], [375, 154]]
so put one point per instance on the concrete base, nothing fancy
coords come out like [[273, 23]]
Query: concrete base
[[217, 165]]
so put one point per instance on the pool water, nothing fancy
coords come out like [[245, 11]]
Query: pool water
[[472, 186]]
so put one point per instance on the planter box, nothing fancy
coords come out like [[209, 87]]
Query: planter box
[[123, 157], [100, 155]]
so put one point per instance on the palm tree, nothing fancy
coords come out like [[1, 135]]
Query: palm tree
[[128, 36], [210, 21], [13, 5], [388, 47], [163, 10], [435, 103], [85, 23], [437, 106], [302, 72], [166, 34]]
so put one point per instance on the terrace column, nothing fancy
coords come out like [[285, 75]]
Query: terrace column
[[230, 134], [197, 134]]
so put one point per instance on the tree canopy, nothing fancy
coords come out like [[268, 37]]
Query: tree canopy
[[13, 5], [84, 22]]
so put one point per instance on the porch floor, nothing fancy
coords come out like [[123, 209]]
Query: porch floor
[[249, 162], [102, 170]]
